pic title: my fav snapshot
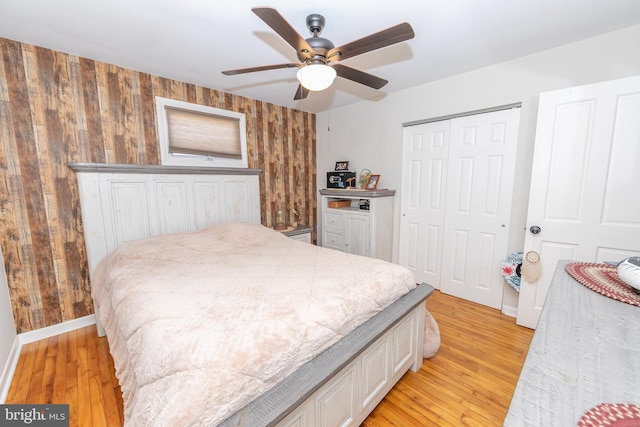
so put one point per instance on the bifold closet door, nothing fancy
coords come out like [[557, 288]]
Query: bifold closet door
[[456, 202], [481, 169], [424, 168]]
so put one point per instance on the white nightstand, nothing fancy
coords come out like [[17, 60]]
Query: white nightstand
[[301, 233]]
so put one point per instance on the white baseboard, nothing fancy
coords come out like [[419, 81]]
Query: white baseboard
[[9, 369], [510, 311], [60, 328], [33, 336]]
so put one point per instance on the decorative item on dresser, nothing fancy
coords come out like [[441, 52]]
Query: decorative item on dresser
[[342, 166], [363, 178], [353, 228], [372, 184], [135, 217]]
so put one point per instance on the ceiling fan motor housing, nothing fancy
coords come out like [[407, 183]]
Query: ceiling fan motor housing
[[320, 45], [315, 23]]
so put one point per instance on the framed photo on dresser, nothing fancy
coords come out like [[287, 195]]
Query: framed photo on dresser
[[373, 182], [342, 166]]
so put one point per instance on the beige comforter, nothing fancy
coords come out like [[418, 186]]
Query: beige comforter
[[201, 323]]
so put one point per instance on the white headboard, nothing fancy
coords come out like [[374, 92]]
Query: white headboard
[[122, 203]]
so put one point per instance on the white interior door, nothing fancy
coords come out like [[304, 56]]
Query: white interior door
[[424, 169], [481, 170], [584, 184]]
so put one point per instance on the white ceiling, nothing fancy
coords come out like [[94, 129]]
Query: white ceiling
[[194, 40]]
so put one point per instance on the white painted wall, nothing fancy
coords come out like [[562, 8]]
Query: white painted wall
[[8, 336], [369, 133]]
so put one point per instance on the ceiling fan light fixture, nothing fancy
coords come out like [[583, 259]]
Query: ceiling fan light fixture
[[316, 76]]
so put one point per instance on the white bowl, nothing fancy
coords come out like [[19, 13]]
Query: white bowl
[[629, 272]]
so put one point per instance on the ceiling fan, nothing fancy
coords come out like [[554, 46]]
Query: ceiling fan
[[319, 57]]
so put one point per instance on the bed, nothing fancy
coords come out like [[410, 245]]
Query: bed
[[185, 354]]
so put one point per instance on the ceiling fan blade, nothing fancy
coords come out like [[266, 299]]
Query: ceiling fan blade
[[280, 25], [393, 35], [301, 93], [359, 76], [263, 68]]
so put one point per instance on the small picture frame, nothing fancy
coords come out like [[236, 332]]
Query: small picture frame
[[342, 166], [373, 182]]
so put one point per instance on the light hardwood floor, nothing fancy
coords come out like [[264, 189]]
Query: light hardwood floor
[[468, 382]]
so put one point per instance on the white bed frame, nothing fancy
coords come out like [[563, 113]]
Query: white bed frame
[[340, 387]]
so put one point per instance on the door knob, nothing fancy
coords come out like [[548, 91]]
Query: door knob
[[535, 229]]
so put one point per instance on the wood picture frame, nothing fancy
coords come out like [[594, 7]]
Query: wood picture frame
[[342, 166], [372, 184]]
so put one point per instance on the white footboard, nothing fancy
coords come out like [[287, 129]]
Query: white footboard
[[342, 385], [349, 397]]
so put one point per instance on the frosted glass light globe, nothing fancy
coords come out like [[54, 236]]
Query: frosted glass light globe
[[316, 76]]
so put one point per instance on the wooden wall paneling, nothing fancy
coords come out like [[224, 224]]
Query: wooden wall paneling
[[308, 148], [66, 124], [191, 93], [265, 146], [11, 207], [299, 179], [82, 147], [167, 88], [92, 111], [247, 107], [255, 156], [57, 108], [75, 257], [122, 108], [149, 130], [274, 153], [137, 140], [228, 101], [56, 145], [288, 158], [300, 172], [285, 160], [283, 157], [29, 189], [107, 137], [258, 140]]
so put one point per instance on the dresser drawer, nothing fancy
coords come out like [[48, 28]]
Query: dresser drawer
[[333, 220], [333, 240]]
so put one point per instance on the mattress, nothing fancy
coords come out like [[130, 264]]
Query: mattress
[[201, 323]]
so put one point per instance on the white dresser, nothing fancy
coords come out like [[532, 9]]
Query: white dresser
[[358, 231], [585, 352]]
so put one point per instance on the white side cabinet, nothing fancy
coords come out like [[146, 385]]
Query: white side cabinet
[[301, 233], [349, 228]]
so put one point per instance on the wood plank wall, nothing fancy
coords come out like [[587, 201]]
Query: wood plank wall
[[57, 108]]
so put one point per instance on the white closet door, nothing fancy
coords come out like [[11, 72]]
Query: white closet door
[[584, 182], [457, 185], [423, 194], [481, 171]]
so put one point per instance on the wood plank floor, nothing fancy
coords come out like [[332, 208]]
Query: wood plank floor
[[469, 382]]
